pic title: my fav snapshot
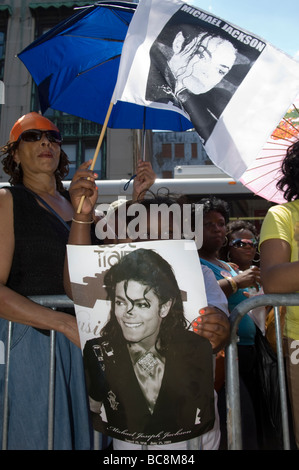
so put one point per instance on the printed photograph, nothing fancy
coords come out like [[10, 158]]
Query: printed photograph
[[197, 66], [149, 376]]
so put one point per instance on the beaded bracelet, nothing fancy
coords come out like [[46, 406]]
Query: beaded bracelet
[[233, 284], [82, 222]]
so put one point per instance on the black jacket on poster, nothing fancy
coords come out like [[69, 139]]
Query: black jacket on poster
[[184, 408]]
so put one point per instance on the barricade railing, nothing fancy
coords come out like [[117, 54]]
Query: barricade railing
[[234, 433], [56, 302]]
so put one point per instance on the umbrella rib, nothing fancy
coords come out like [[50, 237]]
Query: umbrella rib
[[270, 198], [98, 65], [261, 189], [119, 17], [258, 178], [90, 37], [296, 109], [290, 122], [273, 158], [262, 166], [274, 170], [284, 138], [273, 193], [262, 157], [287, 131], [281, 143]]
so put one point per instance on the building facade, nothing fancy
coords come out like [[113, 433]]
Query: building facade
[[171, 149], [21, 22]]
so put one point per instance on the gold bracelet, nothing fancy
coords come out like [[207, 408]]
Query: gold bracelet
[[233, 284], [82, 222]]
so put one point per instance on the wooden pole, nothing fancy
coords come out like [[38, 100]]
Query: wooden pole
[[97, 149]]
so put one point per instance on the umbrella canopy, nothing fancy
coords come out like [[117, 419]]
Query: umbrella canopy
[[75, 67], [263, 174]]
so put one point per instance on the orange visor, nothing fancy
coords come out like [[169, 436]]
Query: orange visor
[[30, 121]]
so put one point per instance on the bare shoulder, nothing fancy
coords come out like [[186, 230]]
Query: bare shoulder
[[7, 239], [6, 206], [6, 202]]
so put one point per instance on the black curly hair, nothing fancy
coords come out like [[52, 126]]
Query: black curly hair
[[289, 183], [214, 204], [237, 225], [16, 173]]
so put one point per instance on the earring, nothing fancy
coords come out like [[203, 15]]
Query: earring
[[225, 241], [257, 260], [17, 167]]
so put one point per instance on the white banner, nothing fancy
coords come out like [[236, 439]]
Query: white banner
[[234, 86]]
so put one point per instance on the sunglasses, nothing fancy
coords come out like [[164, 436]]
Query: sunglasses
[[241, 243], [33, 135]]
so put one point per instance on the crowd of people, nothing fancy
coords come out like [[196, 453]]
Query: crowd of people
[[39, 218]]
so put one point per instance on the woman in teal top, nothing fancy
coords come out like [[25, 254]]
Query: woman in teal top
[[235, 285], [247, 328]]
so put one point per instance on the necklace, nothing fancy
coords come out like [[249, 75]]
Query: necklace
[[215, 261], [147, 362], [220, 264]]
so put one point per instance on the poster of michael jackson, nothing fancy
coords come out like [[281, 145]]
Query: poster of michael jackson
[[197, 63], [149, 376]]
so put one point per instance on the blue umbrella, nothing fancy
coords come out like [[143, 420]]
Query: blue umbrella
[[75, 67]]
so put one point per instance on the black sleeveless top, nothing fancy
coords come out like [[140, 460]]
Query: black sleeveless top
[[40, 246]]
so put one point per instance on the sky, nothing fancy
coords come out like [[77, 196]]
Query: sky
[[275, 21]]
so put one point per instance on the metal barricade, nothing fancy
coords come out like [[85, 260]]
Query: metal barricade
[[56, 302], [234, 433], [231, 358]]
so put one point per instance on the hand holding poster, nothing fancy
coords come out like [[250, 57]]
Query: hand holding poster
[[149, 378], [232, 85]]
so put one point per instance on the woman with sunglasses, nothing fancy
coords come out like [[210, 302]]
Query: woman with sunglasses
[[32, 251], [240, 252], [241, 247], [235, 285]]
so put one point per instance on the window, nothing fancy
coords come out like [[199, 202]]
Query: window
[[167, 174], [193, 150], [71, 151], [166, 150], [179, 150], [100, 164]]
